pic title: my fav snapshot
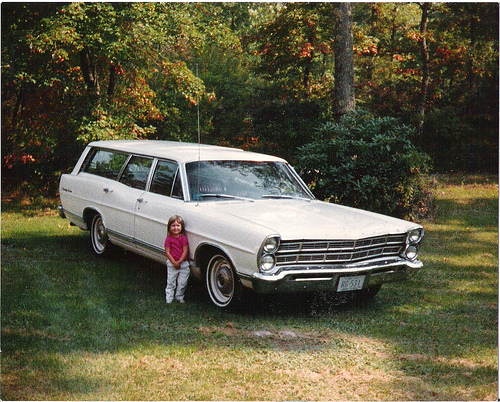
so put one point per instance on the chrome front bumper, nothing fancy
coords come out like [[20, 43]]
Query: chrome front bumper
[[325, 278]]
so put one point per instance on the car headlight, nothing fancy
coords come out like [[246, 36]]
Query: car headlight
[[267, 263], [411, 252], [271, 244], [415, 235]]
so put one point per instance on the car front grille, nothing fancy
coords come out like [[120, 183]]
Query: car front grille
[[338, 251]]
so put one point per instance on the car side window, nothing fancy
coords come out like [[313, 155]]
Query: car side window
[[177, 190], [106, 164], [163, 179], [136, 173]]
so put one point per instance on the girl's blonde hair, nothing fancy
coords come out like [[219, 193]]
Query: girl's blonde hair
[[175, 218]]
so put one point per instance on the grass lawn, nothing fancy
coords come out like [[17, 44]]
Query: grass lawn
[[75, 327]]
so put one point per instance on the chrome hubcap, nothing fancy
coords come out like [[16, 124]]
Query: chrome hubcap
[[100, 237], [220, 280], [224, 280]]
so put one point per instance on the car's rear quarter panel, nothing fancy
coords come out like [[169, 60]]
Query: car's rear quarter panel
[[78, 192]]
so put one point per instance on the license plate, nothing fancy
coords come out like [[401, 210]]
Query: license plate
[[347, 283]]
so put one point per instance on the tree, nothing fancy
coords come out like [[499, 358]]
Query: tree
[[268, 76], [387, 61], [424, 52], [293, 46], [344, 100], [85, 71], [461, 125]]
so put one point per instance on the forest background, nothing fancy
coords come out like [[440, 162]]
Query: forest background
[[262, 74]]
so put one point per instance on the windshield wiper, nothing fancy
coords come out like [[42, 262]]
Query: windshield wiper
[[287, 197], [226, 196], [276, 196]]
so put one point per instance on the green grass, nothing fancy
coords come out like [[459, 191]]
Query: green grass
[[75, 327]]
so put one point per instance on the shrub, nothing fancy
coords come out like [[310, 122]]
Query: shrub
[[367, 162]]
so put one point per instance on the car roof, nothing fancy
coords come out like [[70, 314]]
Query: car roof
[[183, 152]]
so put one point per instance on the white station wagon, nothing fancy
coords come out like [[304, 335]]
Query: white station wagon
[[251, 221]]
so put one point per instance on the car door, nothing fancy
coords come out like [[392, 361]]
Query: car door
[[121, 199], [163, 200]]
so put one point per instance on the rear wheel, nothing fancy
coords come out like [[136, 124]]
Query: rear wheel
[[98, 236], [223, 285]]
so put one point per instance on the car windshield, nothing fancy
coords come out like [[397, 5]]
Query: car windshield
[[222, 180]]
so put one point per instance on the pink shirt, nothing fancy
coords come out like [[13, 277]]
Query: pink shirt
[[176, 245]]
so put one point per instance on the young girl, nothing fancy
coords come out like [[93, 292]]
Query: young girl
[[176, 250]]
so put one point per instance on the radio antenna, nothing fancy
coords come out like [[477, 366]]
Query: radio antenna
[[199, 136]]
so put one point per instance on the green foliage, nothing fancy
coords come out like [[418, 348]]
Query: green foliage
[[78, 72], [461, 127], [282, 127], [461, 143], [367, 162], [75, 72], [109, 127], [295, 47]]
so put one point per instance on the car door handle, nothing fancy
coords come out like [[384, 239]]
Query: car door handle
[[107, 190], [141, 200]]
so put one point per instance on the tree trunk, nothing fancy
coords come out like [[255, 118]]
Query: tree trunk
[[373, 33], [89, 72], [471, 75], [112, 82], [307, 70], [424, 53], [307, 74], [344, 60], [394, 28], [19, 105]]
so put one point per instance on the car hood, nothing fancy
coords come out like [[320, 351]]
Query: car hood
[[310, 220]]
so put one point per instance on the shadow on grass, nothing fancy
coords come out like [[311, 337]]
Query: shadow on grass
[[126, 281], [480, 213]]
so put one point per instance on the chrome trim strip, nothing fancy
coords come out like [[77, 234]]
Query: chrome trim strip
[[312, 279], [325, 245], [340, 269], [134, 242], [72, 216], [149, 247], [119, 236]]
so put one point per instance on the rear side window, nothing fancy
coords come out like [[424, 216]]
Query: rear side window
[[163, 180], [177, 190], [136, 173], [106, 164]]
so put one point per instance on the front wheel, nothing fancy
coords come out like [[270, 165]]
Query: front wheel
[[222, 283], [98, 236]]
